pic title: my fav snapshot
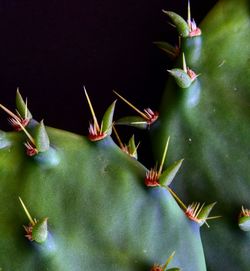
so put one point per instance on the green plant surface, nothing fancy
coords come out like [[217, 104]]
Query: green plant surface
[[208, 123], [101, 216]]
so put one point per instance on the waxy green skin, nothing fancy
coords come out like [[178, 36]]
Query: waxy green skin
[[100, 214], [209, 126]]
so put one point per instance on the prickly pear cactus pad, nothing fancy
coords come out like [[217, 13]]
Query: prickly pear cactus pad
[[70, 202], [205, 111], [76, 202]]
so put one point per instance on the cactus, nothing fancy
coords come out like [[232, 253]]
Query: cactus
[[74, 202], [207, 119], [71, 202]]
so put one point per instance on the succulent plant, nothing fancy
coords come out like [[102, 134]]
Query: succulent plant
[[74, 202], [207, 119]]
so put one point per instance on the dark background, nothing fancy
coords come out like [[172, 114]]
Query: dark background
[[50, 49]]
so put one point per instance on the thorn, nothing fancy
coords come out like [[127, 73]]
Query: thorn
[[126, 148], [163, 158], [145, 116], [36, 230], [96, 125], [26, 108], [184, 63], [16, 121], [148, 115], [153, 175], [134, 154], [22, 106], [31, 220], [152, 116], [151, 179], [189, 15], [194, 210], [95, 133], [9, 112], [168, 260], [118, 138], [179, 201], [30, 149], [27, 133]]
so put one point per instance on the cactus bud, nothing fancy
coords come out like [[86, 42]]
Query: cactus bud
[[36, 230], [180, 24], [184, 77], [22, 107], [41, 138], [40, 231]]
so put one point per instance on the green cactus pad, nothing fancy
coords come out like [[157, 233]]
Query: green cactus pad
[[100, 214], [209, 127]]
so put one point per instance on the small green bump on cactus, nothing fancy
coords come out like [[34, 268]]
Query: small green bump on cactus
[[184, 29], [37, 230], [244, 219], [39, 146], [40, 230], [184, 77], [168, 175], [22, 107], [146, 118], [132, 147], [204, 213], [107, 120], [41, 138], [180, 24]]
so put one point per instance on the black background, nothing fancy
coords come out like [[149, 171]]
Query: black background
[[50, 49]]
